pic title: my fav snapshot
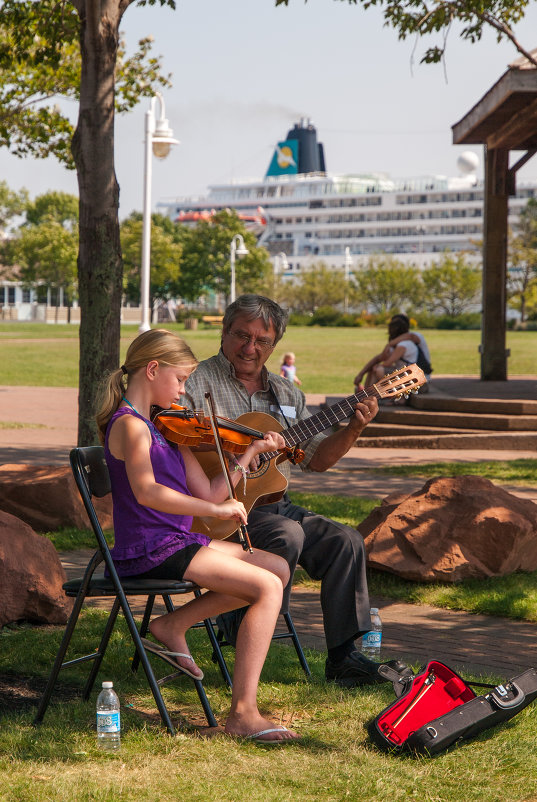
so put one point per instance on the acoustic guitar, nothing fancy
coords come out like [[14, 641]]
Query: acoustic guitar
[[268, 484]]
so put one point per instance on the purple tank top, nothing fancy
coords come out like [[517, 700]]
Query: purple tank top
[[143, 537]]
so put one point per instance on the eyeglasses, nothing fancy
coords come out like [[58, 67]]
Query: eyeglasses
[[246, 339]]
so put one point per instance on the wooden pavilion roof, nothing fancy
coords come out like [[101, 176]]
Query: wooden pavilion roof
[[506, 116]]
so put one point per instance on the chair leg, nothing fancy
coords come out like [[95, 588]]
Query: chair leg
[[146, 665], [297, 644], [144, 626], [58, 662], [169, 604], [209, 715], [99, 654], [218, 656]]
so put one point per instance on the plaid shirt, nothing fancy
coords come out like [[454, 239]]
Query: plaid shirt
[[231, 399]]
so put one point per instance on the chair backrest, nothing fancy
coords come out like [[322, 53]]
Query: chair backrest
[[90, 473], [92, 465]]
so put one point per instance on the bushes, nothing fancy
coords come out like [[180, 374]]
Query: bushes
[[325, 316], [467, 321], [299, 319], [328, 316]]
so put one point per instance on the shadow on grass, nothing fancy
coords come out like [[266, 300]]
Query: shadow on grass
[[20, 693]]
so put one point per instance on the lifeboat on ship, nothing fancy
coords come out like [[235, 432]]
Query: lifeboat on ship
[[256, 223]]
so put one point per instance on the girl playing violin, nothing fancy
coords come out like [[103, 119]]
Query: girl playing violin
[[157, 489]]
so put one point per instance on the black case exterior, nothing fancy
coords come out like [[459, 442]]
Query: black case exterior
[[457, 723], [501, 704]]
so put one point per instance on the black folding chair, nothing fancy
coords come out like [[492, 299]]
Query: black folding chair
[[91, 475]]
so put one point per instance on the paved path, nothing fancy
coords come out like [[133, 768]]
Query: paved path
[[478, 644], [481, 644]]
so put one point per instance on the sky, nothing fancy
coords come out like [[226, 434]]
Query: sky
[[244, 71]]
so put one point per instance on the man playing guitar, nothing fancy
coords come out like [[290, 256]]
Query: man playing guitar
[[328, 551]]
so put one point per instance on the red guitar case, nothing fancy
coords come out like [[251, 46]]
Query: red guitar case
[[437, 708]]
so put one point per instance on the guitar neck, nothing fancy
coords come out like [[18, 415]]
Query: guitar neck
[[305, 429], [400, 382]]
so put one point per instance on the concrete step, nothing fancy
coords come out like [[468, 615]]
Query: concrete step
[[457, 420], [487, 441], [481, 406], [443, 421], [377, 429], [448, 403]]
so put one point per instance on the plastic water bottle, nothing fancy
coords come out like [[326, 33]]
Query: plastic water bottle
[[372, 640], [108, 718]]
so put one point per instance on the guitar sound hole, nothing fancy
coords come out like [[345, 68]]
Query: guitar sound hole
[[263, 468]]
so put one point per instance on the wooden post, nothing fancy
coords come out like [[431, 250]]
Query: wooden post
[[493, 351]]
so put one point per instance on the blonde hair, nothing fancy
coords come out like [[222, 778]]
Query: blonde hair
[[160, 345], [288, 355]]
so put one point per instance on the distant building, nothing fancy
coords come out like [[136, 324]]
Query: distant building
[[342, 220]]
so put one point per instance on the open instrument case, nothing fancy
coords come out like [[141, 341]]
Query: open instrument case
[[437, 708]]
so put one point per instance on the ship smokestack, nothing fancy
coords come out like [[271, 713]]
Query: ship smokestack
[[299, 153], [310, 152]]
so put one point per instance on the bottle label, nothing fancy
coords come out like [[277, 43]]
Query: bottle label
[[108, 721], [372, 639]]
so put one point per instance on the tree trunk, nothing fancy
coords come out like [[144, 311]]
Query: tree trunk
[[100, 267]]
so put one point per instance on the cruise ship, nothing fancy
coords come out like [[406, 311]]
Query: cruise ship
[[303, 215]]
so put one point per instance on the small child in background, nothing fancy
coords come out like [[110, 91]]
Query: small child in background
[[288, 368]]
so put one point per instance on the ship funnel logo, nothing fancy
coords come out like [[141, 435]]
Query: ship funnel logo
[[285, 158]]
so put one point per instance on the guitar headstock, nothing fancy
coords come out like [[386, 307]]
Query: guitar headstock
[[401, 382]]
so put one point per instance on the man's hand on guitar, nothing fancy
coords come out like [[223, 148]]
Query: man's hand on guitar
[[364, 413], [272, 441]]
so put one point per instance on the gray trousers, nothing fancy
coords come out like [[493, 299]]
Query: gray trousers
[[328, 551]]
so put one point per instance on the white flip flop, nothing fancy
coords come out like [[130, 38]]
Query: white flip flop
[[168, 656]]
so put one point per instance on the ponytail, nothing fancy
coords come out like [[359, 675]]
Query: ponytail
[[112, 392]]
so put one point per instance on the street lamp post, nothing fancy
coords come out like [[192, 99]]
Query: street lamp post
[[158, 141], [348, 263], [420, 231], [280, 263], [238, 248]]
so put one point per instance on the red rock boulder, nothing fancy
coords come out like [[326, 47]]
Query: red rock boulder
[[47, 498], [31, 576], [452, 529]]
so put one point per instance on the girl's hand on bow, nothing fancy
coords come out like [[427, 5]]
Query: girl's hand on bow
[[231, 509]]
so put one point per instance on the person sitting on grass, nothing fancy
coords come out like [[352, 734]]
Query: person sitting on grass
[[400, 350], [157, 488]]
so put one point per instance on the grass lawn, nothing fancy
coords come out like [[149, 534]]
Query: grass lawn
[[521, 472], [327, 358], [60, 762]]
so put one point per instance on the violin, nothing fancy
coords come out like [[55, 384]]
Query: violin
[[188, 428]]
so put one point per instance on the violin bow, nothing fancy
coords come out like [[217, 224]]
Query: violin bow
[[244, 538]]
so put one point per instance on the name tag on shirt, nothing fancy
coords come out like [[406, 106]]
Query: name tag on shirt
[[289, 412]]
